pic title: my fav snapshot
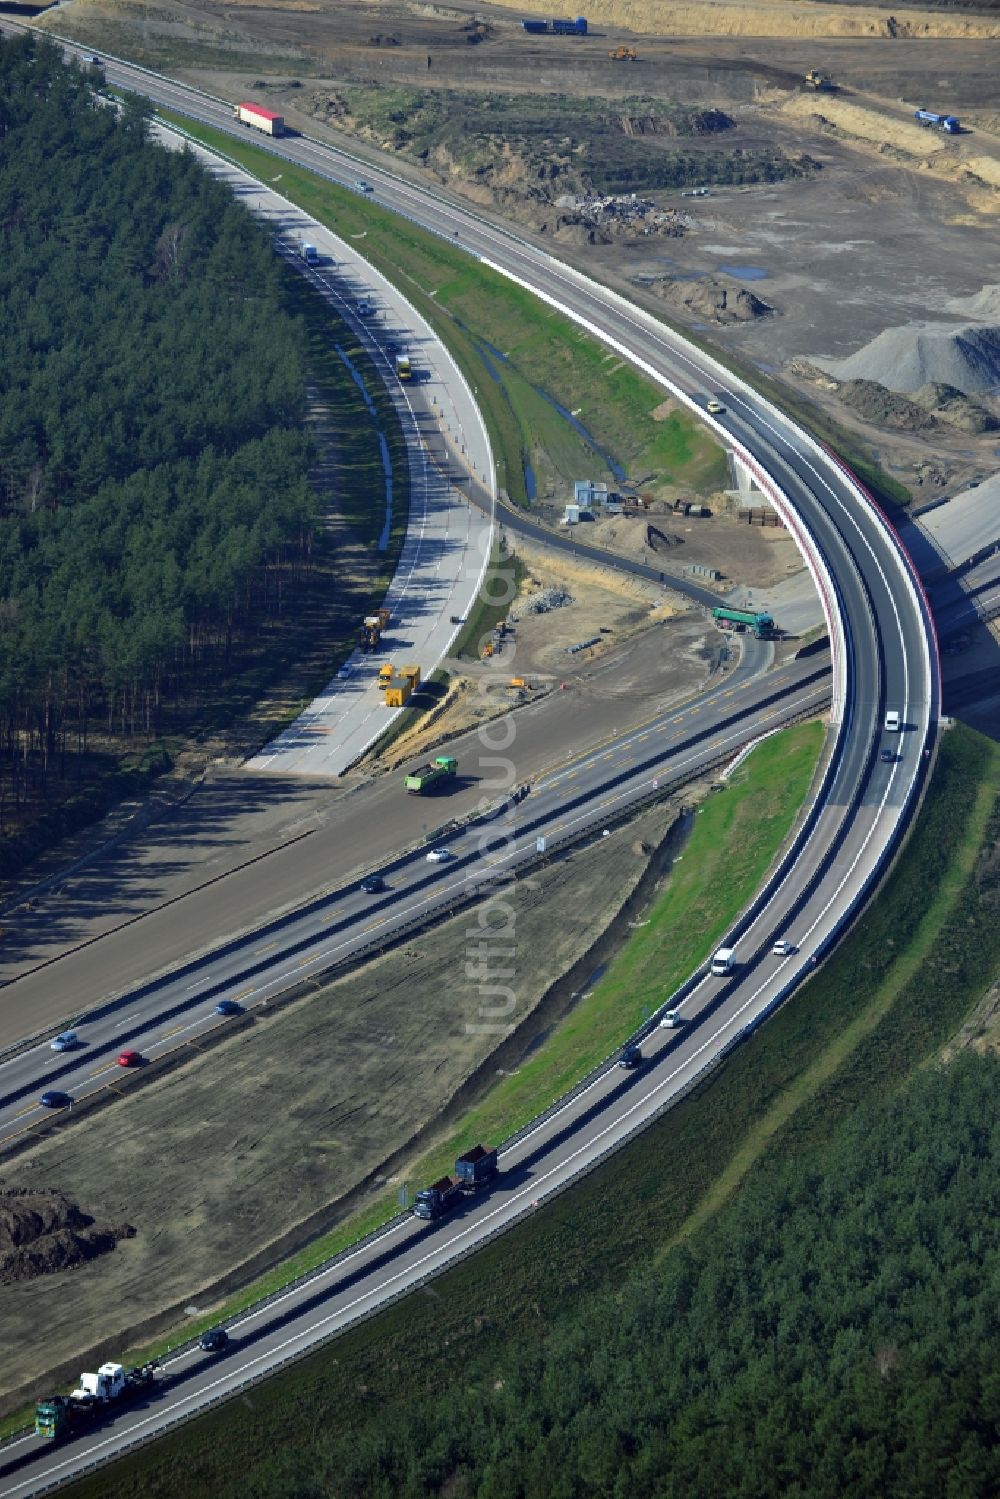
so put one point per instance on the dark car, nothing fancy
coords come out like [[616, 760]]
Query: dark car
[[887, 756], [228, 1007], [215, 1340], [373, 884], [55, 1100], [631, 1056]]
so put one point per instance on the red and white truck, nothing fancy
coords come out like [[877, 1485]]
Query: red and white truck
[[259, 119]]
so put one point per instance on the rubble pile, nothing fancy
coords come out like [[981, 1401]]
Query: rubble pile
[[625, 210], [541, 602]]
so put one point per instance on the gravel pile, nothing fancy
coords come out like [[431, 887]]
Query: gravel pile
[[904, 359], [541, 602], [985, 304]]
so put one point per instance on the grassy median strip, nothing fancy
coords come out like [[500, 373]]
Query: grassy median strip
[[543, 357], [733, 842]]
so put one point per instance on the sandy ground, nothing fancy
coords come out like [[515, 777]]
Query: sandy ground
[[611, 609], [222, 1158]]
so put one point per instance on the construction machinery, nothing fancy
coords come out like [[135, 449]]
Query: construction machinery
[[623, 54], [385, 676], [431, 776], [59, 1416], [759, 624], [815, 79], [373, 628], [399, 689]]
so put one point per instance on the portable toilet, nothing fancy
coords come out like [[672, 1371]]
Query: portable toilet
[[572, 515]]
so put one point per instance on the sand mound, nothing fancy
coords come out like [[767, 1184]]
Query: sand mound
[[711, 298], [984, 304], [903, 359]]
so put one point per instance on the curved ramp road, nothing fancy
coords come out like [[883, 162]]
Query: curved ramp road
[[447, 543], [884, 657]]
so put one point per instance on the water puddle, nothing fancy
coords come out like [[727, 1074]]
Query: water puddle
[[745, 272], [613, 465]]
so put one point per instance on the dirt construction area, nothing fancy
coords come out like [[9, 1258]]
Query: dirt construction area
[[565, 602], [825, 217], [247, 1149]]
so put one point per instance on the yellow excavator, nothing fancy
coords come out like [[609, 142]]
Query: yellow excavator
[[624, 54], [814, 79]]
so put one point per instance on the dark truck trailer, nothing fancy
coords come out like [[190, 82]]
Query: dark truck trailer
[[476, 1167], [435, 1201], [576, 27], [473, 1171], [536, 28]]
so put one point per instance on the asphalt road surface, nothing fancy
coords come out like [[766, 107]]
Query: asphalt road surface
[[165, 1014], [884, 658], [447, 544]]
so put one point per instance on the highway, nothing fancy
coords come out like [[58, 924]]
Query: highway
[[884, 657], [166, 1014]]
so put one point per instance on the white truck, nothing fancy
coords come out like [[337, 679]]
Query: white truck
[[59, 1416], [259, 119], [722, 962]]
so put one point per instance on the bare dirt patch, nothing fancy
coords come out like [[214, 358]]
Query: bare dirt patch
[[246, 1151], [610, 610]]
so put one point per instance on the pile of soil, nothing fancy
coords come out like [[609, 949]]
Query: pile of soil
[[41, 1231], [927, 408], [711, 298], [966, 357], [693, 122], [956, 410], [876, 403]]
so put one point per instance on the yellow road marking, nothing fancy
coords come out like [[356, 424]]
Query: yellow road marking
[[270, 946], [243, 993], [102, 1070], [29, 1110], [167, 1034]]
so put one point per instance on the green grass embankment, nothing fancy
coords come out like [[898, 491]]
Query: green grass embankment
[[735, 839], [476, 311], [881, 1007]]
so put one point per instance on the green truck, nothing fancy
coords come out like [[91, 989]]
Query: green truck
[[761, 625], [433, 774]]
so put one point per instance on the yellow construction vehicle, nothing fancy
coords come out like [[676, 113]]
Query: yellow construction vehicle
[[385, 676], [816, 80], [624, 54]]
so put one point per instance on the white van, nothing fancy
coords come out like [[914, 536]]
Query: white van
[[892, 722], [722, 963]]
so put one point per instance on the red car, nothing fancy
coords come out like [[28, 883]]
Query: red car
[[130, 1059]]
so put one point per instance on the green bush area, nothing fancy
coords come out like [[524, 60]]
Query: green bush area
[[830, 1330], [601, 145], [153, 463]]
